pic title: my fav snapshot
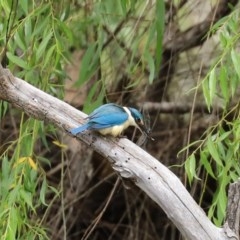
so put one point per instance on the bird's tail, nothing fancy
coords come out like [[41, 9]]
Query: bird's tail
[[80, 129]]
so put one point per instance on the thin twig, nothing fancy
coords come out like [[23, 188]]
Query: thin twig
[[92, 226]]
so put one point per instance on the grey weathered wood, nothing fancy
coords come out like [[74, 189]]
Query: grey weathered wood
[[231, 226], [126, 158]]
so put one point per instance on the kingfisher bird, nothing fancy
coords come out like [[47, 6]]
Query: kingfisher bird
[[112, 119]]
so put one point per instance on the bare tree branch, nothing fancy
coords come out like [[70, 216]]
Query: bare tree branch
[[129, 160], [175, 107]]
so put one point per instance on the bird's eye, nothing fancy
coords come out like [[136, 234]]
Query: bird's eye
[[138, 120]]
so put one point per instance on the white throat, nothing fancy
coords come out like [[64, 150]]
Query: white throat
[[130, 120]]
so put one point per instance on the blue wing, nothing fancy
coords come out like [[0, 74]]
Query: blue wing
[[108, 120], [77, 130], [109, 108], [105, 116]]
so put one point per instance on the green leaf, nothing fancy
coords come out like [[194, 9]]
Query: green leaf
[[67, 11], [6, 166], [19, 39], [94, 98], [41, 25], [49, 55], [123, 4], [211, 211], [224, 135], [222, 202], [24, 5], [213, 151], [151, 66], [205, 87], [219, 24], [18, 61], [12, 224], [88, 65], [223, 81], [3, 108], [236, 61], [212, 85], [160, 23], [42, 47], [206, 164], [4, 211], [65, 30], [233, 24], [223, 39], [13, 195], [6, 4], [43, 191], [190, 168], [44, 160], [28, 31], [27, 197], [234, 175], [221, 149], [54, 190]]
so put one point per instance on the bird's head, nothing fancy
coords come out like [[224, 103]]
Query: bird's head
[[139, 122]]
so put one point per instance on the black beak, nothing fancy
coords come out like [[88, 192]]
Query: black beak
[[145, 130]]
